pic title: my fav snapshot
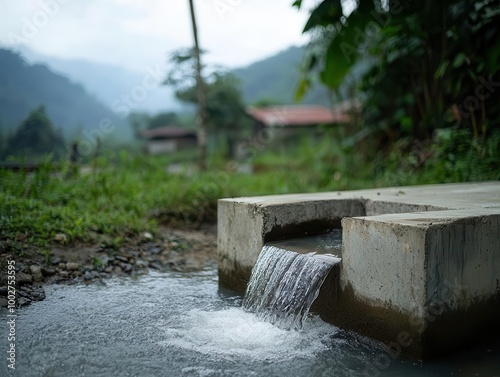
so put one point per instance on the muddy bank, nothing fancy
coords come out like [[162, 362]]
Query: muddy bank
[[168, 250]]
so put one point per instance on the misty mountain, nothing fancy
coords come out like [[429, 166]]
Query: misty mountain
[[109, 83], [24, 87], [276, 78]]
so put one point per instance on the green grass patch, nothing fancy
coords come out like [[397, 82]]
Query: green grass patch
[[122, 195]]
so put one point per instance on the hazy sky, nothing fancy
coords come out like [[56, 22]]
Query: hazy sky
[[137, 34]]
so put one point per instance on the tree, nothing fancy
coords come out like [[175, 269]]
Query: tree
[[427, 61], [224, 104], [163, 119], [35, 136], [200, 93]]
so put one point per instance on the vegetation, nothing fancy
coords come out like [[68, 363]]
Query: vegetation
[[432, 64], [425, 73], [223, 103], [125, 194], [224, 107], [35, 137]]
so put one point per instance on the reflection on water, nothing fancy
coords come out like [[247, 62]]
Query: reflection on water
[[182, 325]]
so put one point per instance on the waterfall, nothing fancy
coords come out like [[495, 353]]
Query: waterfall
[[284, 285]]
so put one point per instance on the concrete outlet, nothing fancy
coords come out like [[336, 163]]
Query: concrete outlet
[[420, 265]]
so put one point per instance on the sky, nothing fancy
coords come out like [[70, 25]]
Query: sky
[[139, 34]]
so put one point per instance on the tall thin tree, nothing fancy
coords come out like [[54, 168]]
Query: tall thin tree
[[202, 112]]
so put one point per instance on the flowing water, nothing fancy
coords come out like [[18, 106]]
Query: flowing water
[[182, 324], [284, 285]]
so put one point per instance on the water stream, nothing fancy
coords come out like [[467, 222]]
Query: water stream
[[284, 285], [183, 324], [178, 324]]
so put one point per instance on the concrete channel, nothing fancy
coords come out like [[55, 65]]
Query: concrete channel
[[420, 265]]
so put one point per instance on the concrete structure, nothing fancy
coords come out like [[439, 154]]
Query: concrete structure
[[420, 265]]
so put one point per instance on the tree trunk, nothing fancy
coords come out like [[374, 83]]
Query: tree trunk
[[202, 113]]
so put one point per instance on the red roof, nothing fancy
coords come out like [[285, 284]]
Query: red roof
[[167, 133], [296, 115]]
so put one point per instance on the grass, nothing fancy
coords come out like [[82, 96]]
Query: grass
[[125, 194]]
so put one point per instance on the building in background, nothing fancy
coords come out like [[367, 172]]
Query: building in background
[[293, 120], [166, 140]]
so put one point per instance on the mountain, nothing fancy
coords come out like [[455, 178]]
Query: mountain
[[276, 78], [24, 87], [109, 83]]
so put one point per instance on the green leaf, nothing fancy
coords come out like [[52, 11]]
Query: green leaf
[[459, 60], [441, 70], [327, 13], [302, 88], [339, 59], [297, 4]]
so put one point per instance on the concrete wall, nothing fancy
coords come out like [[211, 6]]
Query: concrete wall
[[420, 265], [244, 225]]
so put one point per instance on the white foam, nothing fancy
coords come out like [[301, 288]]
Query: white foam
[[234, 332]]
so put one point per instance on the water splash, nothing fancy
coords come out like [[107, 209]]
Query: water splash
[[284, 284]]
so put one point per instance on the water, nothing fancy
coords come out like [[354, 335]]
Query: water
[[328, 243], [180, 324], [284, 285]]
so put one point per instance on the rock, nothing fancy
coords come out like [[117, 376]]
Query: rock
[[23, 279], [38, 294], [61, 266], [155, 250], [141, 264], [64, 274], [117, 270], [103, 260], [3, 291], [147, 236], [121, 258], [108, 269], [48, 271], [127, 267], [4, 302], [36, 272], [76, 273], [87, 276], [72, 266], [86, 268], [60, 237], [155, 266], [23, 301], [56, 260], [23, 293]]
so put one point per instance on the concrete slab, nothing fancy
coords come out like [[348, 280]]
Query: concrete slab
[[419, 261]]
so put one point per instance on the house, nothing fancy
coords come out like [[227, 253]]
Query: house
[[165, 140], [293, 119]]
